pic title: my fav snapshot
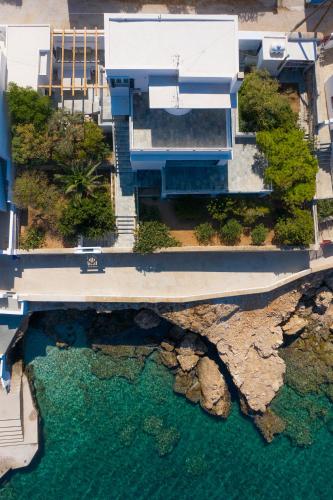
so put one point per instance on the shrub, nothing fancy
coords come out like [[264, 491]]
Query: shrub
[[204, 233], [291, 166], [75, 140], [259, 234], [153, 235], [34, 237], [29, 146], [90, 217], [224, 207], [32, 189], [325, 208], [27, 106], [231, 232], [253, 213], [296, 230], [261, 106]]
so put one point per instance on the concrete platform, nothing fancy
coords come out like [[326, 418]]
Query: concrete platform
[[18, 424]]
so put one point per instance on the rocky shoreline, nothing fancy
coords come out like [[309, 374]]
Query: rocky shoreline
[[250, 346]]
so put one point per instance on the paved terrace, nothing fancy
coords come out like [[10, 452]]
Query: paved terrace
[[156, 128], [171, 276]]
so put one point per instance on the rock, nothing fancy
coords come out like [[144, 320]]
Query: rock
[[168, 359], [176, 333], [269, 425], [62, 345], [294, 326], [329, 281], [247, 335], [194, 392], [192, 344], [323, 299], [215, 396], [147, 319], [183, 382], [187, 363], [168, 345]]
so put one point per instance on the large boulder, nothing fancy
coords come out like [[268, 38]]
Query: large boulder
[[187, 363], [192, 344], [294, 326], [215, 396], [269, 425], [323, 299], [147, 319], [168, 359]]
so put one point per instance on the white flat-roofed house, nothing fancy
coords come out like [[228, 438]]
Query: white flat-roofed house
[[176, 78]]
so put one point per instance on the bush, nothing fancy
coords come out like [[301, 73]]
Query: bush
[[75, 140], [29, 146], [34, 237], [89, 217], [153, 235], [231, 232], [325, 208], [204, 233], [27, 106], [291, 166], [259, 234], [296, 230], [224, 207], [32, 189], [261, 106], [253, 213]]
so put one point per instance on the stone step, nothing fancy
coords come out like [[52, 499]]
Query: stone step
[[11, 432], [11, 439]]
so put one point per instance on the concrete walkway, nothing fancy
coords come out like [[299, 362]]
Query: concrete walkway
[[175, 276]]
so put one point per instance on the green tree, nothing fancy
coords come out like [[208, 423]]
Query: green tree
[[261, 106], [291, 169], [259, 234], [153, 235], [296, 230], [32, 189], [223, 207], [80, 181], [75, 140], [90, 217], [29, 146], [204, 233], [26, 106], [231, 232]]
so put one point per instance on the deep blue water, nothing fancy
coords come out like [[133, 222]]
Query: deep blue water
[[131, 437]]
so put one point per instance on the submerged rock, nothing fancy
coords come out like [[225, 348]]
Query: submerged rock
[[147, 319], [168, 359], [215, 396], [183, 382], [269, 425]]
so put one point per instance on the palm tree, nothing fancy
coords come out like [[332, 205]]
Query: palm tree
[[81, 181]]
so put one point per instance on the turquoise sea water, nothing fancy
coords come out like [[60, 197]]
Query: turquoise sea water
[[106, 436]]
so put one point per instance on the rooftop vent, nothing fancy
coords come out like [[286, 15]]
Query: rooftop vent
[[277, 49]]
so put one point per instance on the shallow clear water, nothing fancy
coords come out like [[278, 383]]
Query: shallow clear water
[[112, 439]]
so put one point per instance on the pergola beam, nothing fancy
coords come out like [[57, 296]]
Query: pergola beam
[[62, 62], [73, 64]]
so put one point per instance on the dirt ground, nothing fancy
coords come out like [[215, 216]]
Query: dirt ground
[[290, 91], [253, 14], [183, 230], [51, 240]]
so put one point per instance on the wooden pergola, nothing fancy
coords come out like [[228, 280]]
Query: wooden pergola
[[90, 37]]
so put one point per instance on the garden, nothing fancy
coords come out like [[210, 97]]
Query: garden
[[60, 188], [284, 218]]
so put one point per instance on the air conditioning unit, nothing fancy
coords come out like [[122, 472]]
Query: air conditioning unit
[[277, 49]]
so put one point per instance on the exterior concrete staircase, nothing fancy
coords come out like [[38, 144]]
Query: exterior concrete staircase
[[11, 425], [124, 185]]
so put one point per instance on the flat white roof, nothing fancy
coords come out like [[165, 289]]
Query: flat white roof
[[196, 46], [23, 46]]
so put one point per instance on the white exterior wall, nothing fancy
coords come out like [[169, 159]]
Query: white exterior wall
[[145, 165], [4, 147]]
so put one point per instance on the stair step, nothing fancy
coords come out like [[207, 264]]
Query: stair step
[[15, 422], [11, 439]]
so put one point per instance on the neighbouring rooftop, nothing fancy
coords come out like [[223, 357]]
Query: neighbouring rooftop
[[156, 128]]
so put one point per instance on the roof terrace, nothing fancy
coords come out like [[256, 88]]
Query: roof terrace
[[199, 128]]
